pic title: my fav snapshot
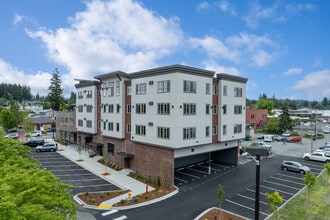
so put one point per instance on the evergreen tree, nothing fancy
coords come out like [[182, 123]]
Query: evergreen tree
[[55, 96], [285, 122]]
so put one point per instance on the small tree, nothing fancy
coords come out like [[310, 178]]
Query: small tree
[[220, 195], [106, 160], [79, 151], [327, 168], [274, 200], [310, 180]]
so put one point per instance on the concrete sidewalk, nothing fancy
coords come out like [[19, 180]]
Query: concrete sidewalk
[[118, 178]]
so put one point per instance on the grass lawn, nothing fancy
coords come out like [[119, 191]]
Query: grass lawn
[[317, 207]]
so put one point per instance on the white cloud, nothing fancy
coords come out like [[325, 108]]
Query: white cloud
[[261, 58], [293, 71], [109, 36], [215, 48], [38, 82], [315, 84], [214, 66], [17, 19], [202, 6], [225, 6]]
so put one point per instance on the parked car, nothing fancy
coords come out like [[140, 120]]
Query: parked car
[[34, 143], [12, 135], [325, 146], [264, 145], [294, 166], [268, 138], [278, 138], [36, 134], [261, 137], [317, 156], [294, 139], [52, 146], [286, 134]]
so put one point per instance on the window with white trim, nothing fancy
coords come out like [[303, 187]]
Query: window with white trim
[[238, 92], [225, 88], [80, 108], [117, 127], [141, 88], [140, 130], [224, 129], [214, 130], [238, 109], [207, 131], [214, 109], [129, 90], [110, 108], [129, 108], [117, 88], [89, 108], [189, 86], [189, 133], [163, 86], [207, 109], [80, 123], [163, 132], [141, 108], [89, 124], [128, 128], [163, 108], [118, 108], [189, 109], [214, 90], [224, 109], [207, 88], [237, 128], [89, 94], [110, 89], [110, 126]]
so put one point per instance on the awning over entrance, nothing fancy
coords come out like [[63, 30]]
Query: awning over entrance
[[125, 154]]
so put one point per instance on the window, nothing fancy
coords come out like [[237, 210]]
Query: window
[[104, 90], [111, 88], [189, 133], [129, 108], [238, 92], [224, 90], [252, 116], [224, 129], [66, 120], [110, 126], [163, 86], [71, 121], [140, 108], [214, 90], [214, 109], [140, 130], [129, 90], [214, 130], [80, 108], [117, 126], [163, 108], [118, 108], [207, 109], [224, 109], [104, 125], [117, 88], [237, 109], [111, 149], [141, 88], [89, 108], [208, 88], [189, 109], [110, 108], [163, 133], [129, 128], [104, 108], [237, 128], [89, 124], [89, 94], [189, 86], [80, 95], [207, 131], [80, 123]]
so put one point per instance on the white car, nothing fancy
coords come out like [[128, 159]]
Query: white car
[[36, 134], [317, 156]]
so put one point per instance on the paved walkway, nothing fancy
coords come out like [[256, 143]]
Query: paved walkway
[[118, 178]]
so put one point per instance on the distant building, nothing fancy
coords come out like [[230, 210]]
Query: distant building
[[256, 118]]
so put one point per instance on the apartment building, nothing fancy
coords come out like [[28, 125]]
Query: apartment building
[[157, 120]]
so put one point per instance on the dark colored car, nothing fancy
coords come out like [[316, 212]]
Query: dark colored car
[[34, 143], [52, 147], [294, 166]]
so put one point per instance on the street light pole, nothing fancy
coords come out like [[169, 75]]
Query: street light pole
[[257, 195]]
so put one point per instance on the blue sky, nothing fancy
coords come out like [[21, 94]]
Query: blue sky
[[282, 47]]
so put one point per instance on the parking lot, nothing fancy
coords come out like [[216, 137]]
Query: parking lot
[[70, 172]]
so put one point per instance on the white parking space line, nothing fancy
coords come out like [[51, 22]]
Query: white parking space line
[[109, 212], [181, 180], [278, 190], [279, 184], [252, 209], [73, 165], [219, 165], [249, 198], [251, 190], [187, 174], [84, 174], [68, 169], [211, 168], [93, 185], [198, 171], [292, 177], [81, 180], [121, 218], [289, 181]]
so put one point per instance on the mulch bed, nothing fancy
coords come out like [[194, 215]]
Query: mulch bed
[[217, 214], [96, 198]]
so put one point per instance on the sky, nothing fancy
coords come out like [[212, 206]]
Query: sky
[[281, 46]]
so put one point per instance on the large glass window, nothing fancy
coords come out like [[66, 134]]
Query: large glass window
[[238, 92], [141, 108], [189, 133], [163, 132], [189, 109], [141, 88], [140, 130], [163, 86], [163, 108], [189, 86], [237, 109]]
